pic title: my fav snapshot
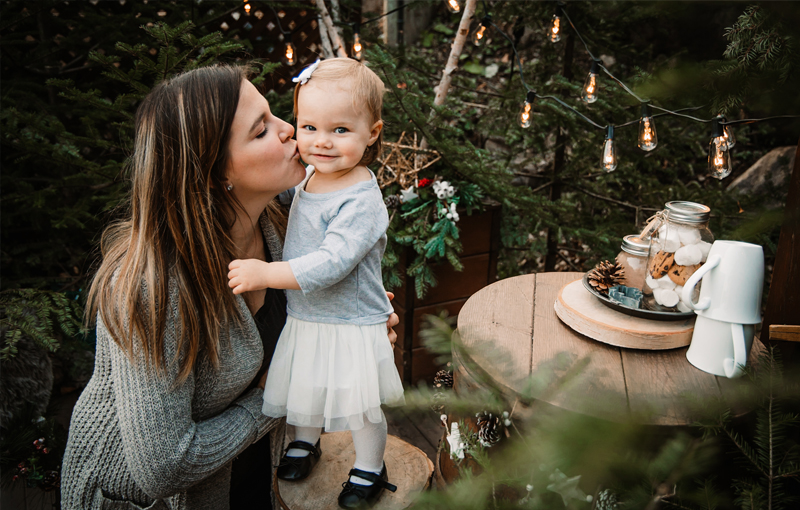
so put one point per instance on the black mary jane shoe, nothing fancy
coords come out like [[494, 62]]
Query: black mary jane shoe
[[297, 468], [354, 495]]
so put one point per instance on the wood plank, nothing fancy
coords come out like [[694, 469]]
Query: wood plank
[[787, 332], [495, 328], [584, 313], [570, 370], [407, 466], [403, 426], [457, 284], [663, 388]]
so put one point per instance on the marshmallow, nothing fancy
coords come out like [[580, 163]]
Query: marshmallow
[[678, 290], [683, 308], [704, 249], [651, 282], [688, 255], [671, 242], [689, 236], [666, 297], [665, 283]]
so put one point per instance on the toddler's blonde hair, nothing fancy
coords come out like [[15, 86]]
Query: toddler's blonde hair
[[367, 90]]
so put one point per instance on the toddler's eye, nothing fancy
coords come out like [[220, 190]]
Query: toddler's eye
[[309, 128], [340, 130], [261, 135]]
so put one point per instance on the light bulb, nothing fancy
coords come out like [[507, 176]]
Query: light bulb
[[525, 117], [555, 29], [357, 46], [609, 151], [290, 57], [719, 156], [480, 32], [730, 138], [648, 139], [477, 37], [453, 6], [247, 9], [589, 92]]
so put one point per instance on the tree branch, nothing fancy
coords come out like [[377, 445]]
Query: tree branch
[[336, 43]]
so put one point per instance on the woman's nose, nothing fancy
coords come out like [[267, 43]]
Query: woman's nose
[[286, 132]]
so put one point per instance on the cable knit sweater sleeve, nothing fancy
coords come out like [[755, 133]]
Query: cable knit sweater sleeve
[[166, 449]]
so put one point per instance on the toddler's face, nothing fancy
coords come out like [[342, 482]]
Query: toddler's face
[[331, 134]]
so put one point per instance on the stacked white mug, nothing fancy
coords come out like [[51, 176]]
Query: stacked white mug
[[728, 309]]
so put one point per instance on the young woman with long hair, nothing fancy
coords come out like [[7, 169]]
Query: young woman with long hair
[[180, 361]]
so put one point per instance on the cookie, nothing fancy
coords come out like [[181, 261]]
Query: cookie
[[660, 264], [679, 274]]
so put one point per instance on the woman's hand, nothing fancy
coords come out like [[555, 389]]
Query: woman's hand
[[393, 321]]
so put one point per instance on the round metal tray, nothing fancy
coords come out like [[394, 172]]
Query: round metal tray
[[635, 312]]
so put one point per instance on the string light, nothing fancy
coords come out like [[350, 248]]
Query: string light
[[727, 133], [719, 157], [357, 47], [290, 55], [609, 151], [589, 92], [453, 6], [554, 34], [648, 139], [526, 110], [480, 32], [247, 9]]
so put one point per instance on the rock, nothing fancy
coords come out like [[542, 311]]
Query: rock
[[771, 171]]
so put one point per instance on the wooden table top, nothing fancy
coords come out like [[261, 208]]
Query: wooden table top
[[511, 333]]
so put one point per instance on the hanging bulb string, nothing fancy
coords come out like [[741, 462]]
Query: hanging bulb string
[[576, 112], [625, 87], [751, 121], [636, 121], [566, 15]]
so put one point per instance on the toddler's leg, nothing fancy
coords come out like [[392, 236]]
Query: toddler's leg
[[309, 435], [370, 443]]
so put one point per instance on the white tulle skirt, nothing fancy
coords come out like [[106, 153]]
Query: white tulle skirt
[[331, 375]]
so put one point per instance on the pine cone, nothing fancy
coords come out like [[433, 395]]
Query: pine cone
[[607, 500], [51, 481], [392, 201], [438, 402], [443, 379], [606, 275], [488, 428]]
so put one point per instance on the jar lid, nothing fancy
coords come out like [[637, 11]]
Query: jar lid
[[635, 246], [688, 212]]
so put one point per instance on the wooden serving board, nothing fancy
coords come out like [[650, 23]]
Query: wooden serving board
[[582, 312], [407, 466]]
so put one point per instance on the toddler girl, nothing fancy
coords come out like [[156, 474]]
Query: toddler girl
[[333, 365]]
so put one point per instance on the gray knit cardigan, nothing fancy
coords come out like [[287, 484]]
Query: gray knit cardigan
[[136, 441]]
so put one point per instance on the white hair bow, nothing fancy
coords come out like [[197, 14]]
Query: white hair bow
[[304, 76]]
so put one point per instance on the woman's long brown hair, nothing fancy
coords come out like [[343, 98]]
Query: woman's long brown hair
[[179, 217]]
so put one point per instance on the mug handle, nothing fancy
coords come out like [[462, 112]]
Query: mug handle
[[691, 283], [731, 366]]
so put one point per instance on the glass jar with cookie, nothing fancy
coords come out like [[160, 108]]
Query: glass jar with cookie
[[680, 241]]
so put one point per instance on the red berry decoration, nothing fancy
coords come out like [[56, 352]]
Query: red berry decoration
[[424, 182], [46, 450]]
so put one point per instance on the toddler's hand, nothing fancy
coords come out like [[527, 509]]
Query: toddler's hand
[[247, 275]]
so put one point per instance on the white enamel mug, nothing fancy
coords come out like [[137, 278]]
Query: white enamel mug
[[733, 277], [720, 348]]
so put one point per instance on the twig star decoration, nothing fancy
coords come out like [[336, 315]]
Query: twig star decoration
[[403, 162]]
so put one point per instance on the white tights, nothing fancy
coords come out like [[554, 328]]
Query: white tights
[[369, 441]]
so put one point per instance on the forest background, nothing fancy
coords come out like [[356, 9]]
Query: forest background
[[73, 73]]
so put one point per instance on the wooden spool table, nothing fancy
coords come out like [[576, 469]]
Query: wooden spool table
[[511, 338], [408, 468]]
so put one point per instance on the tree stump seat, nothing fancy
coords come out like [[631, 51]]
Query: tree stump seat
[[408, 467]]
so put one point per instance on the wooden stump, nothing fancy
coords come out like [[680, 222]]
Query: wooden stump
[[408, 467]]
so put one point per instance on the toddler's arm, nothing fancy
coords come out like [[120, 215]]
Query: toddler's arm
[[254, 274]]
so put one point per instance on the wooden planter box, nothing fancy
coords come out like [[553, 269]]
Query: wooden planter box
[[480, 238]]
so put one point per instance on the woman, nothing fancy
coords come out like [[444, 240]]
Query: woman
[[175, 396]]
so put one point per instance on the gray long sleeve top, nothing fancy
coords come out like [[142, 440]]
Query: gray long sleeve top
[[334, 245], [137, 440]]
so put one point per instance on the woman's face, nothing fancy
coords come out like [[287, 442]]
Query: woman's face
[[262, 157]]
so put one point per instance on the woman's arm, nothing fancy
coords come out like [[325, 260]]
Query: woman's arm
[[166, 450]]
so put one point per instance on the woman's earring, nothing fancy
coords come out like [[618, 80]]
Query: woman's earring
[[229, 187]]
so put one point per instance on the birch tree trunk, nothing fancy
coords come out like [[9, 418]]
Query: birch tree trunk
[[336, 42], [337, 18], [452, 60], [327, 50]]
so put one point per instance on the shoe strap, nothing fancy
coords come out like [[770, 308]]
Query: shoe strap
[[302, 445], [374, 478]]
